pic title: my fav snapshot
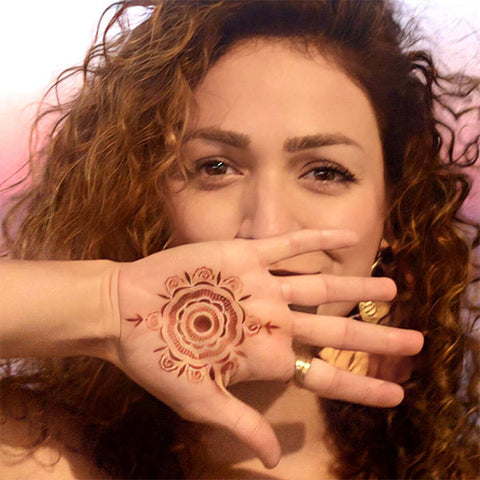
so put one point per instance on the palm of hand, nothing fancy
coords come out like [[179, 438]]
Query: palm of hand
[[199, 317], [204, 328]]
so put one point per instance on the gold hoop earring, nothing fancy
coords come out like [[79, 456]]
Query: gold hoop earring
[[369, 311], [167, 242], [377, 262], [382, 252], [373, 312]]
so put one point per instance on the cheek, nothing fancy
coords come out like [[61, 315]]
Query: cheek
[[195, 218], [362, 213], [367, 219]]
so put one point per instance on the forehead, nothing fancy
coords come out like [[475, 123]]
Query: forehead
[[273, 86]]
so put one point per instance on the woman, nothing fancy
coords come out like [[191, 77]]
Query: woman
[[266, 150]]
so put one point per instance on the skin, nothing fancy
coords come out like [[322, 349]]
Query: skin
[[264, 184], [270, 93], [269, 186]]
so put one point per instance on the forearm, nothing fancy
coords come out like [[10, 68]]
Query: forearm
[[57, 308]]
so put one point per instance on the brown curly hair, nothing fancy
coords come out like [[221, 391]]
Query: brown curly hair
[[97, 190]]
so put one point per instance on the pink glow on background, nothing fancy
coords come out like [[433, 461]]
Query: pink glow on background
[[39, 39]]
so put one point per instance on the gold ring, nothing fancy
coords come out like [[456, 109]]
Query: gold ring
[[303, 362]]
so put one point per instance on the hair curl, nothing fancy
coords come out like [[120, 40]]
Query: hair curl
[[97, 190]]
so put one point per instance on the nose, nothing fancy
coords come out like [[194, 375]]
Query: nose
[[267, 208]]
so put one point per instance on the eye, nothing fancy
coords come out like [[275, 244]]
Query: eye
[[329, 172], [213, 173], [214, 167]]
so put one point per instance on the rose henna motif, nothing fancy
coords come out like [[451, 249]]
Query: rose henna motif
[[201, 325]]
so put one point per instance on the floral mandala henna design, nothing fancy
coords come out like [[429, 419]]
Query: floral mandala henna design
[[201, 325]]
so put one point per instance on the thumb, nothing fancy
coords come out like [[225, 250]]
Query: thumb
[[248, 425]]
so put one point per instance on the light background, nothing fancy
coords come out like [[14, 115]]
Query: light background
[[38, 39]]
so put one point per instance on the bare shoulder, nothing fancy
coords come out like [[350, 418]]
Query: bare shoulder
[[27, 451]]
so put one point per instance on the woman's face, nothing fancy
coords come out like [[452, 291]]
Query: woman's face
[[283, 142]]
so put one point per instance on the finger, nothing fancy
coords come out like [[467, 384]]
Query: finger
[[329, 382], [318, 289], [349, 334], [249, 426], [281, 247]]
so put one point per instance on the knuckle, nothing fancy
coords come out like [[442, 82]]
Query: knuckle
[[310, 327], [288, 371], [390, 341], [291, 243], [332, 386], [322, 289], [348, 333], [248, 426], [286, 290], [296, 325], [329, 287], [194, 412], [366, 394]]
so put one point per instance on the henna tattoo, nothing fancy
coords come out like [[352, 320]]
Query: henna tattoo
[[137, 320], [202, 325]]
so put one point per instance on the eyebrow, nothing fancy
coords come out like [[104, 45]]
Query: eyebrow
[[296, 144], [228, 137], [291, 145]]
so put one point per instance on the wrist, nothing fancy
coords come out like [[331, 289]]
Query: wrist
[[108, 328], [58, 309], [98, 318], [92, 326]]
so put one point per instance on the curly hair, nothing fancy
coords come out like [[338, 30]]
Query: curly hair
[[97, 190]]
